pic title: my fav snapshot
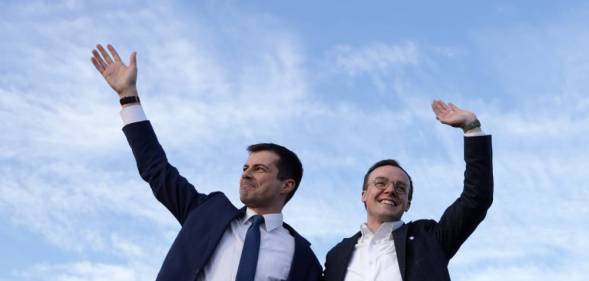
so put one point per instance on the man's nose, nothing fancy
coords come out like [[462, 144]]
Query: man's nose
[[247, 173], [390, 188]]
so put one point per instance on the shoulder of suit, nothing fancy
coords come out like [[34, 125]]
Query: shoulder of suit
[[216, 199], [422, 224], [351, 239], [218, 195], [298, 238]]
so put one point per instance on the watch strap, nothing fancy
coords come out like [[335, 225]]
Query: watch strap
[[129, 99], [474, 124]]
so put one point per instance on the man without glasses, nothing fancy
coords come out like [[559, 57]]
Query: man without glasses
[[388, 249], [217, 241]]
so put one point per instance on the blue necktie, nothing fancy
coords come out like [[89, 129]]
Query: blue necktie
[[249, 255]]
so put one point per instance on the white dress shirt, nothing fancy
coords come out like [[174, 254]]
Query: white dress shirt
[[375, 257], [275, 257], [276, 243]]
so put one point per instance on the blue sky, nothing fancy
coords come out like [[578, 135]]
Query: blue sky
[[342, 84]]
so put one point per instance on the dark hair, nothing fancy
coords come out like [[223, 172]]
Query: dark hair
[[387, 162], [289, 165]]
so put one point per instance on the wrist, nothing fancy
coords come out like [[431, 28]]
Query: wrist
[[472, 126], [129, 97], [129, 100], [128, 92]]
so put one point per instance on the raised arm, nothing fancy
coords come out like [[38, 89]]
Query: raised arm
[[462, 217], [168, 186]]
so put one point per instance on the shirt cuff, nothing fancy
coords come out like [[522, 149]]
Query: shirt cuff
[[476, 132], [132, 114]]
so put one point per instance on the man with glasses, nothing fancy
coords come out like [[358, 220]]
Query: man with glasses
[[388, 249]]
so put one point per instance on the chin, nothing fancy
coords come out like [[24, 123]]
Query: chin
[[390, 217], [244, 199], [249, 202]]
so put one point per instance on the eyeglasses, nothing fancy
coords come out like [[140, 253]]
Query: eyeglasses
[[382, 184]]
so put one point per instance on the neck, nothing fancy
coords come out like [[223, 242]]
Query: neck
[[265, 210], [374, 223]]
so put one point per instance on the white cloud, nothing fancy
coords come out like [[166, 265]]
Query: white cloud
[[375, 57], [86, 271]]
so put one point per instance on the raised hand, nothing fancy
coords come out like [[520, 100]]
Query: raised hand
[[452, 115], [122, 78]]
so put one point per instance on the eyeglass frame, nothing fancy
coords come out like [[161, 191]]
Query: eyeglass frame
[[382, 183]]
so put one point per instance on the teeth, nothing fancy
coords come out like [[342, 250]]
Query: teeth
[[388, 202]]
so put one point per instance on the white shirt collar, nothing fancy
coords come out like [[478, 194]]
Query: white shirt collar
[[271, 221], [384, 231]]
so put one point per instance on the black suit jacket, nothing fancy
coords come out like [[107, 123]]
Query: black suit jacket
[[204, 218], [424, 247]]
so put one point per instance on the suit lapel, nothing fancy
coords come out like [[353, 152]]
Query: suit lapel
[[210, 231], [300, 259], [400, 238], [345, 255]]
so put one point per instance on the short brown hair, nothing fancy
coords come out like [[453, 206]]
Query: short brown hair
[[289, 165], [387, 162]]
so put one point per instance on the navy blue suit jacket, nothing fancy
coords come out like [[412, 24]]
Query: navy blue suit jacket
[[204, 218], [424, 247]]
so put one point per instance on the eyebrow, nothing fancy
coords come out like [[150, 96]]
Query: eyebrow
[[394, 182], [257, 165]]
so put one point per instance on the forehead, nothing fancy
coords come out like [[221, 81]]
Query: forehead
[[264, 157], [389, 172]]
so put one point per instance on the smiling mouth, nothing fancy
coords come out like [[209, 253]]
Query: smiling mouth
[[247, 185], [388, 202]]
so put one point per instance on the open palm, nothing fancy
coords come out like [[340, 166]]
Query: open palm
[[451, 114], [120, 77]]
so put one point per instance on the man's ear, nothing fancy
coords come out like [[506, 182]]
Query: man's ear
[[287, 186], [364, 196], [408, 206]]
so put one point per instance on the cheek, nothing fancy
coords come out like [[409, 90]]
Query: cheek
[[268, 185], [369, 197]]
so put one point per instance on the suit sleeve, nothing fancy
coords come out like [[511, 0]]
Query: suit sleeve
[[464, 215], [168, 186]]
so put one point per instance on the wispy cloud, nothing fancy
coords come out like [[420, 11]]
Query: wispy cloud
[[86, 271], [376, 57]]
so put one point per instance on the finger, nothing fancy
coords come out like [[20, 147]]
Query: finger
[[104, 54], [97, 65], [99, 59], [133, 59], [453, 106], [434, 104], [443, 105], [114, 53], [438, 107]]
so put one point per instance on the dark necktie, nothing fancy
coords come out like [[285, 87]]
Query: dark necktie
[[249, 255]]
